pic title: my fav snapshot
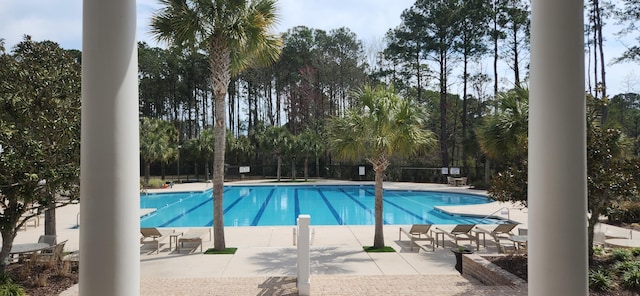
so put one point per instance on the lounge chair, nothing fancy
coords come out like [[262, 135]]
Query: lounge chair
[[499, 233], [459, 232], [157, 235], [192, 236], [418, 232]]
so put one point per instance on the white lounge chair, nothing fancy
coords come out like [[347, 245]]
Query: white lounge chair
[[192, 236], [498, 233], [459, 232], [418, 232], [156, 234]]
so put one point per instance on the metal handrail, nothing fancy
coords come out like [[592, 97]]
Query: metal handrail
[[498, 210]]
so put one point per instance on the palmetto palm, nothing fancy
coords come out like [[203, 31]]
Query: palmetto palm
[[504, 135], [277, 140], [380, 127], [235, 34], [158, 140], [310, 144]]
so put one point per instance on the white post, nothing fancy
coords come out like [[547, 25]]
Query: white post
[[110, 174], [304, 285], [557, 151]]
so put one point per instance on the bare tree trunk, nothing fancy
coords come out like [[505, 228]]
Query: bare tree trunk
[[50, 219], [8, 228]]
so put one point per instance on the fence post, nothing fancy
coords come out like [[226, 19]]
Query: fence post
[[304, 285]]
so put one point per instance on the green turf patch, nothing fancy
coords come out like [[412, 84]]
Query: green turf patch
[[385, 249], [213, 251]]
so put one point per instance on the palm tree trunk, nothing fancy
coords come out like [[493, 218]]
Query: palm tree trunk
[[278, 169], [147, 172], [293, 169], [306, 169], [317, 166], [220, 60], [378, 239]]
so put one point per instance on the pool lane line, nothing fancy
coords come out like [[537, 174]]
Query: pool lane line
[[420, 218], [175, 218], [256, 219], [369, 210], [166, 223], [331, 208], [234, 203], [227, 208]]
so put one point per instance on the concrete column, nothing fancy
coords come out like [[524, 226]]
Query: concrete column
[[304, 256], [109, 185], [557, 151]]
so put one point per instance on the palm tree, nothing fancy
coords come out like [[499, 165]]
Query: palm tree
[[277, 140], [380, 127], [157, 142], [504, 134], [236, 35], [310, 144], [202, 149]]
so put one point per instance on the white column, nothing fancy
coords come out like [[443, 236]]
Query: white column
[[304, 256], [109, 186], [557, 151]]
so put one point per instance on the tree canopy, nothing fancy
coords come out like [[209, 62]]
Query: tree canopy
[[39, 132]]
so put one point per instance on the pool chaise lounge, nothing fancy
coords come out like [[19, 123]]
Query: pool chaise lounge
[[500, 232], [192, 236], [460, 232], [418, 232], [156, 234]]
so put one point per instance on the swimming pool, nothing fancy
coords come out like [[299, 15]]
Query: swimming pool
[[327, 205]]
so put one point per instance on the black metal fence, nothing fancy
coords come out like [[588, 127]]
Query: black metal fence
[[191, 172]]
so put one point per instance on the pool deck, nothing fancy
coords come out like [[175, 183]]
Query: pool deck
[[265, 263]]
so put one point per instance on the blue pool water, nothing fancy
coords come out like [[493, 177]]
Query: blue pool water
[[327, 205]]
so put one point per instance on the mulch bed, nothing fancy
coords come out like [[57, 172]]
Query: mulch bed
[[44, 279]]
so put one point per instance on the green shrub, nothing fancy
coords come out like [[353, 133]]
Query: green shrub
[[625, 212], [631, 279], [155, 183], [598, 251], [9, 288], [601, 280], [623, 266], [621, 254]]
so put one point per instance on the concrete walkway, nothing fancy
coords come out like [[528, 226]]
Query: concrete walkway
[[265, 263]]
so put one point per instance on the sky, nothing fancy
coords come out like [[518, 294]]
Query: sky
[[61, 21]]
